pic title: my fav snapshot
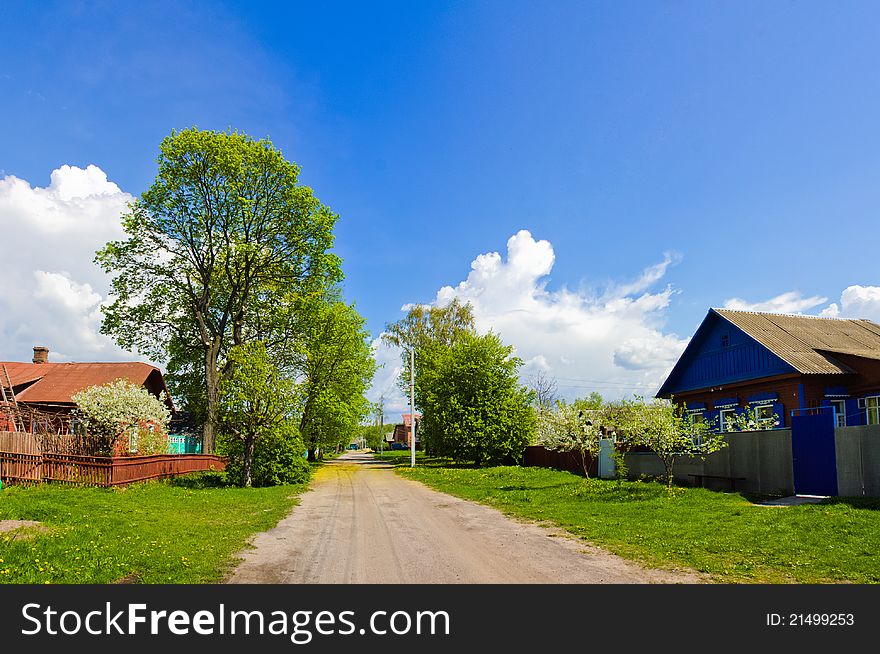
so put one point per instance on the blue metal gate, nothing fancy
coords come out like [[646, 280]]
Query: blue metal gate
[[813, 454]]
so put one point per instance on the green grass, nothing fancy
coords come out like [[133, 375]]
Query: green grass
[[724, 535], [184, 531], [399, 457]]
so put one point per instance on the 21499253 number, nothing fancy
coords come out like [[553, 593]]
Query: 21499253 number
[[810, 620], [821, 619]]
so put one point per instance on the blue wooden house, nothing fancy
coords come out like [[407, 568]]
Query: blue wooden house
[[778, 364]]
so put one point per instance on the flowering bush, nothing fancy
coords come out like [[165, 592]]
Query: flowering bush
[[566, 428], [121, 409], [665, 428]]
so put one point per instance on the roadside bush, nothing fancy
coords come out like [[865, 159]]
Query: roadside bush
[[474, 407], [278, 458]]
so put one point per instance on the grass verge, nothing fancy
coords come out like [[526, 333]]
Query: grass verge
[[726, 536], [180, 531]]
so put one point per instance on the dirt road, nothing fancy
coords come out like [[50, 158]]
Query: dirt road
[[362, 523]]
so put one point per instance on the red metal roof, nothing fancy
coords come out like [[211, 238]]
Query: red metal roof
[[55, 383]]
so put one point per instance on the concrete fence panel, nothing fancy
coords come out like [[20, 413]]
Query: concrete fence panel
[[775, 469], [858, 460], [763, 458]]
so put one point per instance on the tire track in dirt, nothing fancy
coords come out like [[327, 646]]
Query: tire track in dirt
[[362, 523]]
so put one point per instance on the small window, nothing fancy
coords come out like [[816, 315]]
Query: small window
[[765, 417], [697, 418], [725, 340], [728, 420], [840, 412], [872, 410]]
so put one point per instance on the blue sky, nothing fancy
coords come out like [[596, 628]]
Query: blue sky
[[739, 137]]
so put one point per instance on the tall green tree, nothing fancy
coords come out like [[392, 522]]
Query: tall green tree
[[473, 406], [336, 366], [216, 253], [428, 332], [256, 401]]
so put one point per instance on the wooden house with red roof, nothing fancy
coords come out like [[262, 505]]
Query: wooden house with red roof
[[49, 387]]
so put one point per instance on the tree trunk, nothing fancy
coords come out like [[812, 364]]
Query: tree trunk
[[212, 394], [669, 463], [248, 460], [584, 464], [313, 449]]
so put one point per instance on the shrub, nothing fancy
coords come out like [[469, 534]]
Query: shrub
[[474, 408], [277, 459]]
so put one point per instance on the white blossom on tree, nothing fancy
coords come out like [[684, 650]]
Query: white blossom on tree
[[122, 409], [666, 429], [567, 428]]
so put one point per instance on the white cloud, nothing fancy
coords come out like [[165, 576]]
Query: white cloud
[[790, 302], [612, 342], [385, 380], [856, 301], [52, 291]]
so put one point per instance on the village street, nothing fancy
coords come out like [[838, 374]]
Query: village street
[[362, 523]]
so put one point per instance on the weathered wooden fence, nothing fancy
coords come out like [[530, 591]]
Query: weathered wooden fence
[[23, 462], [104, 471], [19, 441], [540, 456]]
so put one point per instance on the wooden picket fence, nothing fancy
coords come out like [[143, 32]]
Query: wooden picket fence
[[22, 462], [104, 471], [19, 441]]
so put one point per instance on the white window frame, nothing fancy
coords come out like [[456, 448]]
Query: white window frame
[[722, 426], [872, 410], [766, 422], [840, 412]]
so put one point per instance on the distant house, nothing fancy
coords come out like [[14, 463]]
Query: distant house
[[402, 431], [778, 364], [49, 387]]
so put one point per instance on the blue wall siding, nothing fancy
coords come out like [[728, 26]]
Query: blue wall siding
[[709, 363], [854, 415]]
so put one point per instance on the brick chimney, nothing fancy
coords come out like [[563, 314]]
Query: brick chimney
[[41, 354]]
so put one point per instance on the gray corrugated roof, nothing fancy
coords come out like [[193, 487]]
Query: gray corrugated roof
[[809, 343]]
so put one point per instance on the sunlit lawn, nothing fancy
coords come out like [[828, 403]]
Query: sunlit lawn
[[156, 532]]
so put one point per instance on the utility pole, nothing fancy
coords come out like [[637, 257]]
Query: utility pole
[[381, 424], [412, 407]]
